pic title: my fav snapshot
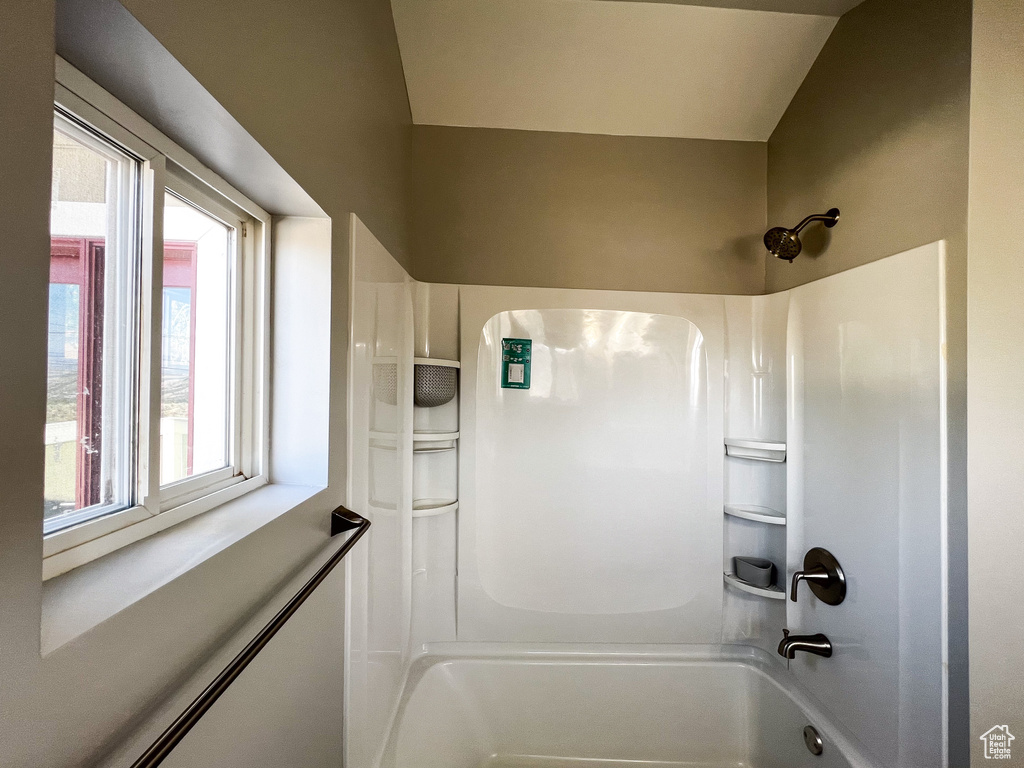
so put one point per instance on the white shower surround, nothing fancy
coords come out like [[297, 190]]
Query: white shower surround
[[851, 367]]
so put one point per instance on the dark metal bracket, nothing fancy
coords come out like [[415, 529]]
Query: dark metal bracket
[[343, 520]]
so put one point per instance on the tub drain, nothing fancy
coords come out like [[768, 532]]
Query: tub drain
[[813, 740]]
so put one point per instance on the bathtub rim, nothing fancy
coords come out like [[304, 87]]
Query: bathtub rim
[[757, 660]]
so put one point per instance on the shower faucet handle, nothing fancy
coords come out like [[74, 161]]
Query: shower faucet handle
[[817, 575], [823, 575]]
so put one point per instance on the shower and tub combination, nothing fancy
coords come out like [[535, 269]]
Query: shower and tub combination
[[648, 529]]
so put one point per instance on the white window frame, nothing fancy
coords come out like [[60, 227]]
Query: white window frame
[[165, 165], [126, 230], [195, 486]]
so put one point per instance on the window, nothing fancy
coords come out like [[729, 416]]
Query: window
[[156, 336], [202, 254], [91, 327]]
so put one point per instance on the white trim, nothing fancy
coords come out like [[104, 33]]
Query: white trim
[[86, 91], [87, 551], [224, 210], [119, 335], [69, 538], [151, 319], [944, 495], [99, 121], [195, 486]]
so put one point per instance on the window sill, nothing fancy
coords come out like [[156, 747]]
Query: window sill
[[80, 599], [74, 547]]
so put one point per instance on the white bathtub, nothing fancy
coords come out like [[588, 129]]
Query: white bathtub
[[501, 706]]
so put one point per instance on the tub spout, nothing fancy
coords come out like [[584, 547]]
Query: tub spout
[[817, 644]]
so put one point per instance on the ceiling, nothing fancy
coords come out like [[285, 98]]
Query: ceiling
[[620, 68]]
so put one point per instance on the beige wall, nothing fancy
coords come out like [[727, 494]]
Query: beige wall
[[996, 368], [26, 128], [880, 130], [319, 84], [531, 208]]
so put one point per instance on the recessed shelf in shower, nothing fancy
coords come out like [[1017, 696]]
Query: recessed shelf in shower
[[756, 513], [433, 507], [757, 450], [421, 437], [772, 593], [437, 361], [417, 437]]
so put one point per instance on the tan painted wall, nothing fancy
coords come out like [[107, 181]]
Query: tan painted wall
[[880, 129], [530, 208], [996, 368], [319, 83], [26, 134]]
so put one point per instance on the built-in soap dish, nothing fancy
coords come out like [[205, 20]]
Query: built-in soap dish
[[758, 450], [772, 592], [755, 571], [756, 513], [433, 507]]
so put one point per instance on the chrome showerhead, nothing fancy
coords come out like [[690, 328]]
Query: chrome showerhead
[[785, 243]]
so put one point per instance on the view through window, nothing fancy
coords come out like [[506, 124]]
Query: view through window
[[195, 402], [89, 371]]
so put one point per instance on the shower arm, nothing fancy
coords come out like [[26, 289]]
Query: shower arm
[[828, 218]]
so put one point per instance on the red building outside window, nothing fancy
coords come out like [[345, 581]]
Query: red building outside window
[[78, 262], [76, 347]]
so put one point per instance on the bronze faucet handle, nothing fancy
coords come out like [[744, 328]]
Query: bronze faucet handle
[[823, 574], [818, 574]]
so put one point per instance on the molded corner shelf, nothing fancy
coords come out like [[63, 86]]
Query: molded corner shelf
[[437, 361], [390, 439], [432, 507], [442, 362], [758, 450], [418, 437], [433, 449], [772, 593], [756, 513]]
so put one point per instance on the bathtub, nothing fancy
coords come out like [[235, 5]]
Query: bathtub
[[501, 706]]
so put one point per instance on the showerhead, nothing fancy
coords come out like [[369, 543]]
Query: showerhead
[[785, 243], [782, 242]]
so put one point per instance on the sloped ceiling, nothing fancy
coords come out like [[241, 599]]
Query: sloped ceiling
[[621, 68]]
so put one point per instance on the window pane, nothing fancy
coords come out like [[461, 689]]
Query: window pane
[[91, 306], [195, 407]]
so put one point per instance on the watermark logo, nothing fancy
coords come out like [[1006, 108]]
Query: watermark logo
[[997, 742]]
